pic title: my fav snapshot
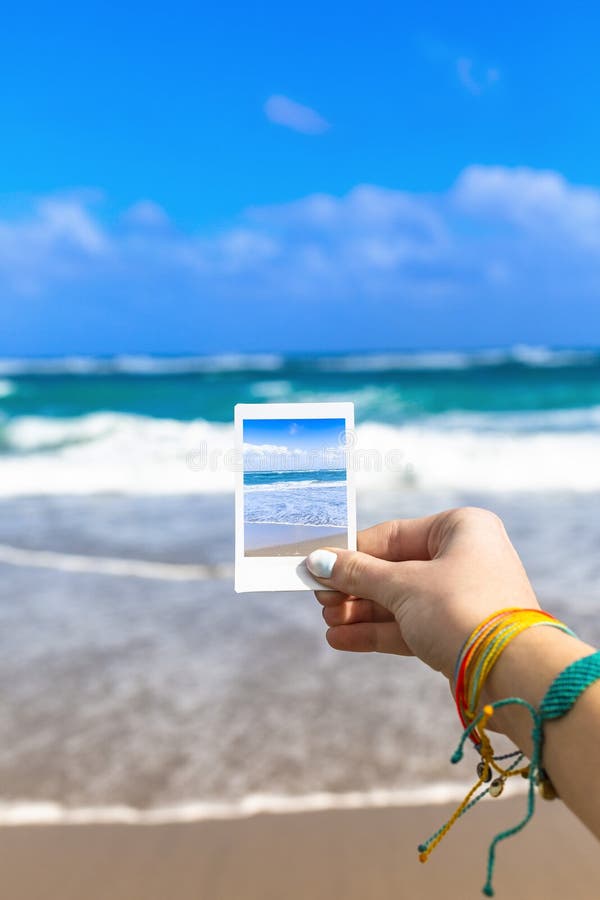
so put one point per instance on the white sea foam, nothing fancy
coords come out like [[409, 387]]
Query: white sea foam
[[292, 485], [321, 504], [271, 390], [141, 365], [109, 452], [36, 813], [6, 387], [534, 356], [103, 565], [453, 360], [304, 524]]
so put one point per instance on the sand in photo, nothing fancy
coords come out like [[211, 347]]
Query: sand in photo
[[263, 539]]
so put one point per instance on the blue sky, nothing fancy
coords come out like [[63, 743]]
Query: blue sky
[[323, 177], [295, 434]]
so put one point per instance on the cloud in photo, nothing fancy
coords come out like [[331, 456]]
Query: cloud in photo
[[284, 111], [266, 457], [268, 449]]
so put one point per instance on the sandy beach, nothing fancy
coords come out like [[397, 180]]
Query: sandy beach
[[266, 539], [354, 855]]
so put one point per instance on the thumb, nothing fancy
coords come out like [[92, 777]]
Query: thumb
[[360, 574]]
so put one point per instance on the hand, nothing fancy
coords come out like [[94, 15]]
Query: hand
[[420, 586]]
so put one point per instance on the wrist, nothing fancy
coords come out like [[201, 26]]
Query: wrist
[[526, 669]]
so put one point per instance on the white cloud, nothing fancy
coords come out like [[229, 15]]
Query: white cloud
[[53, 242], [473, 75], [373, 260], [239, 249], [146, 212], [271, 457], [266, 449], [284, 111], [540, 202], [475, 79]]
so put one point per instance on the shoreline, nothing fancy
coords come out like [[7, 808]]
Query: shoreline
[[34, 813], [355, 854]]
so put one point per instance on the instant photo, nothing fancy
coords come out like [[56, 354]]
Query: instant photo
[[294, 490]]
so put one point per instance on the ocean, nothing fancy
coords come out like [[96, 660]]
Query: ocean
[[296, 498], [137, 686], [291, 512]]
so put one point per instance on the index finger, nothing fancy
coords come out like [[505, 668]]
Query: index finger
[[399, 539], [331, 598]]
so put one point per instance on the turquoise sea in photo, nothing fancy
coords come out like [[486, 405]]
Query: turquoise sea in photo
[[293, 478], [285, 509], [308, 498]]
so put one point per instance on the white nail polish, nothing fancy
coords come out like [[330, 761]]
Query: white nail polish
[[321, 563]]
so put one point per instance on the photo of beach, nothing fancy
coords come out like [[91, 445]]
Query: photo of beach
[[295, 489]]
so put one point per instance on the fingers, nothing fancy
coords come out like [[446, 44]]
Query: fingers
[[331, 598], [356, 610], [352, 572], [396, 540], [460, 527], [399, 539], [421, 539], [368, 637], [360, 575]]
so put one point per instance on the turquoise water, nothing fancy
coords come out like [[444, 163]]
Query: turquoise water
[[520, 419], [316, 497], [294, 478], [194, 695], [388, 388]]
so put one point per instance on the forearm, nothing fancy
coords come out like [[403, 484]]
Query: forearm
[[421, 586], [571, 744]]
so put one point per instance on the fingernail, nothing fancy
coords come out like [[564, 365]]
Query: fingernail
[[321, 563]]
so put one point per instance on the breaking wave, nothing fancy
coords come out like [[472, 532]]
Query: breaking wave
[[556, 450]]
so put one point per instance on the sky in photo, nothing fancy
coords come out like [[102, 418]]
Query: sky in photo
[[226, 177], [294, 443]]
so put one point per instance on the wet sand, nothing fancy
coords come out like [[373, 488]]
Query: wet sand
[[354, 855]]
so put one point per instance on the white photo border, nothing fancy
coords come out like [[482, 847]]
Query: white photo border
[[283, 573]]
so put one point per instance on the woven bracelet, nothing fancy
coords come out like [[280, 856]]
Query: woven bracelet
[[567, 687]]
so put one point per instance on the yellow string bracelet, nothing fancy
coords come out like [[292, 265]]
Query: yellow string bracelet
[[481, 652]]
